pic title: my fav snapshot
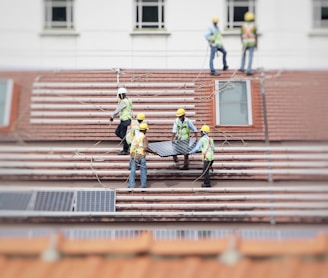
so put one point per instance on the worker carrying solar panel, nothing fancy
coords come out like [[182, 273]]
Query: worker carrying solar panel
[[181, 130], [206, 146]]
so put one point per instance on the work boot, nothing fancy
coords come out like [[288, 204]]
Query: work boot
[[225, 67], [206, 185], [185, 167], [123, 153], [215, 73]]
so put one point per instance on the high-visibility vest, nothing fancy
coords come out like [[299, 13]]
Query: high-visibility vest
[[126, 113], [248, 33], [183, 131], [207, 152], [215, 36], [137, 145], [133, 128]]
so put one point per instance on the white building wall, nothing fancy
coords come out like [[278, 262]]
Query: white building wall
[[105, 39]]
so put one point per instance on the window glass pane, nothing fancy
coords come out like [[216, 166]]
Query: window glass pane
[[238, 14], [324, 13], [59, 14], [150, 14], [5, 101], [162, 15], [3, 90], [233, 105]]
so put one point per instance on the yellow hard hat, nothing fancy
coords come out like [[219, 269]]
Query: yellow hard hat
[[143, 126], [205, 128], [249, 16], [180, 112], [215, 19], [141, 116]]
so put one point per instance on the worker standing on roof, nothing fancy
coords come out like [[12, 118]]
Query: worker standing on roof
[[206, 145], [138, 151], [181, 131], [249, 42], [214, 38], [124, 109]]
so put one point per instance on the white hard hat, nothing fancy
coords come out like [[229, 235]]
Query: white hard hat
[[122, 90]]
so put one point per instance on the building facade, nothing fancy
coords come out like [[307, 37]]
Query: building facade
[[161, 34]]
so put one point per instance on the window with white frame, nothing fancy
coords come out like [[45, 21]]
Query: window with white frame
[[320, 13], [150, 14], [233, 103], [6, 95], [236, 10], [59, 14]]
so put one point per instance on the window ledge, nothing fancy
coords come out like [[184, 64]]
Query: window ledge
[[150, 33], [231, 33], [58, 32], [318, 33]]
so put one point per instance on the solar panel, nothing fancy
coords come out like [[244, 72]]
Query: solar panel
[[175, 147], [54, 201], [14, 200], [102, 201]]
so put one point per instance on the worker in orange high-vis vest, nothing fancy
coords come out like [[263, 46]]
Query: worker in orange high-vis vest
[[249, 41], [138, 150]]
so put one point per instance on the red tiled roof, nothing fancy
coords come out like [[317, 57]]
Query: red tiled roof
[[296, 103]]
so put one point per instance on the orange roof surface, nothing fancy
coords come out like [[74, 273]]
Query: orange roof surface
[[144, 256]]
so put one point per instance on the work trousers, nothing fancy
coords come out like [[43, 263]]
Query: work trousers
[[134, 163], [207, 165], [212, 56], [121, 133], [250, 51]]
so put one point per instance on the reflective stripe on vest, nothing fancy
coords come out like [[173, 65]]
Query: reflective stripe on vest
[[126, 113], [183, 131], [137, 145], [248, 34], [207, 151]]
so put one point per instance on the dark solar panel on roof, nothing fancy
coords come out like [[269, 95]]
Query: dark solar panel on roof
[[14, 200], [54, 201], [175, 147]]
